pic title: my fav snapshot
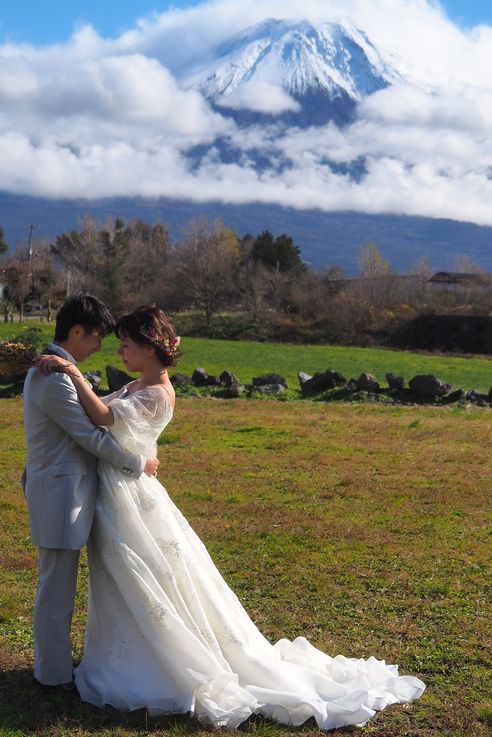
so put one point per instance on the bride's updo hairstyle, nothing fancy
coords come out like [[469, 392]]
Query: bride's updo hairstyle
[[150, 326]]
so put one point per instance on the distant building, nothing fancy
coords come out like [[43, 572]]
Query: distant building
[[460, 281]]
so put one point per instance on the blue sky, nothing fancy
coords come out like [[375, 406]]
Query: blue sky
[[53, 20]]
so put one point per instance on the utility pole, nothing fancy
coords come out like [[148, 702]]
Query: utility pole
[[29, 251]]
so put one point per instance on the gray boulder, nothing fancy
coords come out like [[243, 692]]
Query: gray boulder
[[478, 398], [428, 386], [304, 378], [116, 378], [201, 378], [227, 379], [320, 382], [94, 378], [181, 380], [459, 395], [269, 379], [368, 383], [395, 383], [274, 389], [236, 389]]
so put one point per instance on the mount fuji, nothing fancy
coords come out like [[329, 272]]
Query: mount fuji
[[291, 71]]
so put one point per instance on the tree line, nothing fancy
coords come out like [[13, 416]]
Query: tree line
[[218, 283]]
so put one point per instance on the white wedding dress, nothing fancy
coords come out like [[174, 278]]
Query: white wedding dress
[[165, 631]]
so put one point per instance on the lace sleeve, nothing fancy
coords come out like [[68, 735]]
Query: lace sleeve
[[108, 398], [152, 403]]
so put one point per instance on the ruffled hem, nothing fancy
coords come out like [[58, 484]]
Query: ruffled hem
[[222, 702], [355, 689], [337, 692]]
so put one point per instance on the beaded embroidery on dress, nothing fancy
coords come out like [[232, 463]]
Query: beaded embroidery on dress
[[165, 632]]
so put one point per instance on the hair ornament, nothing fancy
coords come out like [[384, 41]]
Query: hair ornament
[[168, 345]]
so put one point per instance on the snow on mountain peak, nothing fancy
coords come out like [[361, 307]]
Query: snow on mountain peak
[[296, 56]]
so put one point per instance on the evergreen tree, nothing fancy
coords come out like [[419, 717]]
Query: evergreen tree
[[3, 244], [279, 254]]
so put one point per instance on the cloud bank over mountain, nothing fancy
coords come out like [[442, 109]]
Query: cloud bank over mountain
[[97, 117]]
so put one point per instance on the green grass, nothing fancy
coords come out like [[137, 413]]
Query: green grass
[[364, 528], [247, 359]]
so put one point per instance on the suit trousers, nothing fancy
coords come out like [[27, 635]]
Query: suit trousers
[[53, 609]]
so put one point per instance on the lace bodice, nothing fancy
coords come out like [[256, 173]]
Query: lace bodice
[[139, 417]]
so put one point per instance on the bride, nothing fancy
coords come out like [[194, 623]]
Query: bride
[[164, 630]]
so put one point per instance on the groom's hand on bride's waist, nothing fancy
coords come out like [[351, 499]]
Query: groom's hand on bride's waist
[[151, 466]]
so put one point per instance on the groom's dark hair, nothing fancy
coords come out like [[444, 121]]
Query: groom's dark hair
[[85, 310]]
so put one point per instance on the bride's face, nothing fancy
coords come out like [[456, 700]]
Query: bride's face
[[134, 355]]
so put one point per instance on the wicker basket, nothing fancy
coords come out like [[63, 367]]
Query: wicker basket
[[15, 360]]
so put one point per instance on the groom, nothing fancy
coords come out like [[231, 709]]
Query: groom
[[60, 481]]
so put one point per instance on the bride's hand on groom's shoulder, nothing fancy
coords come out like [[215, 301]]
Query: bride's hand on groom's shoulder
[[47, 363]]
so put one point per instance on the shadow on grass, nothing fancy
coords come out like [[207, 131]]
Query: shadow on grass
[[24, 708], [27, 709]]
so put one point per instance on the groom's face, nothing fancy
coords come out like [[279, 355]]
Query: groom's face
[[86, 342]]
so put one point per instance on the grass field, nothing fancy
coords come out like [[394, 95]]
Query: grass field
[[247, 359], [364, 528]]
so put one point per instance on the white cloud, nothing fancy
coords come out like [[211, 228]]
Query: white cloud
[[94, 117], [261, 97]]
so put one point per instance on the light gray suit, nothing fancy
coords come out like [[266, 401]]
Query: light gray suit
[[60, 484]]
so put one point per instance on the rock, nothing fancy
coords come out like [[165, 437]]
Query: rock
[[459, 395], [199, 377], [368, 383], [227, 379], [395, 383], [232, 384], [116, 378], [236, 389], [320, 382], [181, 380], [269, 380], [478, 398], [427, 385], [94, 378], [270, 389], [304, 378]]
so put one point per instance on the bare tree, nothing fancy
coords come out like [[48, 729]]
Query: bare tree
[[206, 261], [17, 281], [147, 276], [464, 264], [253, 281], [79, 254]]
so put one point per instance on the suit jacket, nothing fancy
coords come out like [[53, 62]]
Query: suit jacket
[[63, 445]]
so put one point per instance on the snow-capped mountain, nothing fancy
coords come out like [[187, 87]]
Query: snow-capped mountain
[[307, 73]]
